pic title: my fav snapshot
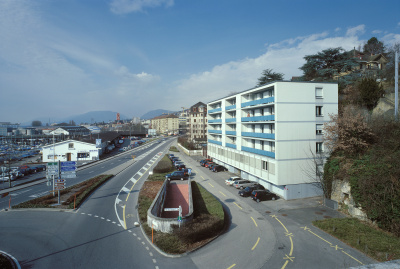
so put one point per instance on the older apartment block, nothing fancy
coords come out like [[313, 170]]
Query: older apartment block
[[270, 134]]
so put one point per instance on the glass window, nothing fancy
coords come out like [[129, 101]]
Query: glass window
[[318, 111], [318, 93], [71, 145], [319, 147], [319, 129]]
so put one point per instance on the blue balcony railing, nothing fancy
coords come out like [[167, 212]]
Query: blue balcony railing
[[230, 107], [259, 102], [259, 135], [214, 110], [215, 131], [259, 118], [230, 132], [229, 145], [215, 121], [215, 142], [259, 152], [230, 120]]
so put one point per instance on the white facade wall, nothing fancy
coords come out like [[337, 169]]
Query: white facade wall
[[71, 150], [288, 140]]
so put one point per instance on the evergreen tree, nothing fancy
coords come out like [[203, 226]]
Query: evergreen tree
[[268, 76]]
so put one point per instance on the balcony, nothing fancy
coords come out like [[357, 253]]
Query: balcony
[[259, 152], [259, 135], [258, 118], [230, 107], [230, 120], [229, 145], [215, 121], [230, 132], [214, 110], [259, 102], [215, 131], [215, 142]]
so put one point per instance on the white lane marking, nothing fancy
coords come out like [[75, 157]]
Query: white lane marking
[[138, 173], [117, 200], [91, 172], [125, 189], [154, 261]]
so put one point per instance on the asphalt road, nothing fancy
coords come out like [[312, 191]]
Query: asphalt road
[[102, 234]]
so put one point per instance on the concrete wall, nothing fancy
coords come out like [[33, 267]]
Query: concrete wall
[[190, 152], [165, 224]]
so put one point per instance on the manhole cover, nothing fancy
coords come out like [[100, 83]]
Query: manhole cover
[[323, 210], [284, 215], [327, 217], [267, 212], [319, 213]]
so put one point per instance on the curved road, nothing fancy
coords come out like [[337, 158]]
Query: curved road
[[101, 234]]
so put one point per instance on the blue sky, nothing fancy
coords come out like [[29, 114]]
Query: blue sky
[[65, 57]]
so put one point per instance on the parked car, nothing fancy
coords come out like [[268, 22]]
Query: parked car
[[219, 168], [204, 161], [178, 163], [170, 156], [241, 184], [248, 190], [231, 180], [212, 166], [206, 165], [180, 167], [263, 195], [176, 175]]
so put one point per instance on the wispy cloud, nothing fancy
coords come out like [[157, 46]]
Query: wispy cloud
[[129, 6], [357, 30]]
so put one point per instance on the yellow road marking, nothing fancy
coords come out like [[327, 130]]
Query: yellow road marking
[[210, 185], [237, 205], [289, 258], [124, 218], [351, 256], [283, 267], [320, 238], [336, 247], [255, 223], [291, 246], [255, 245], [233, 265], [222, 194], [202, 177], [282, 225]]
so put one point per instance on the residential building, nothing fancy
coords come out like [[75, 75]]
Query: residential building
[[166, 124], [270, 134], [198, 123], [71, 131], [71, 150]]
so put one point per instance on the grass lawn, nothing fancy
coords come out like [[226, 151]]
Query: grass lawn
[[375, 243]]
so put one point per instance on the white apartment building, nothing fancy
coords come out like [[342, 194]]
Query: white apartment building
[[269, 134]]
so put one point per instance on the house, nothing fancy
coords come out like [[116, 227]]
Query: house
[[198, 123], [370, 63], [271, 133], [71, 150]]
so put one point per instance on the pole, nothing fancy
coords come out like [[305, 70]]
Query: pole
[[396, 86]]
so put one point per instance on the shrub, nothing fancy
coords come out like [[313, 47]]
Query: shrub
[[164, 166]]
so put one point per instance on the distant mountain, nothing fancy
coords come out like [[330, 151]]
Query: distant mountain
[[95, 116], [89, 117], [155, 113]]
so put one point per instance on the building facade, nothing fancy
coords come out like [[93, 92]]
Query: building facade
[[270, 134], [197, 122], [166, 124], [71, 150]]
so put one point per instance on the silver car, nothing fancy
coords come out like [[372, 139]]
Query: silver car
[[241, 184]]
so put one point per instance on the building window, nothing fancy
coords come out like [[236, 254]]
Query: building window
[[318, 111], [318, 93], [265, 165], [83, 155], [71, 145], [319, 147], [319, 129]]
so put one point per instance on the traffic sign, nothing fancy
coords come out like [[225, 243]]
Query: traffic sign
[[69, 163], [67, 168], [69, 176], [60, 180], [59, 184]]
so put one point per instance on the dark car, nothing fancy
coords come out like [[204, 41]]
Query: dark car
[[177, 175], [171, 156], [263, 195], [212, 166], [219, 168], [180, 167], [248, 190]]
